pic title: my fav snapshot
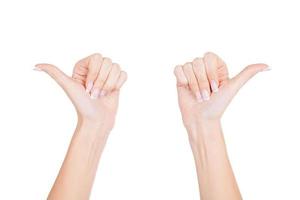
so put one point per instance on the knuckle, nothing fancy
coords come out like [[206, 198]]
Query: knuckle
[[185, 81], [197, 68], [124, 74], [187, 65], [177, 68], [77, 64], [79, 71], [116, 66], [107, 60], [210, 54], [180, 83], [196, 60], [211, 61], [76, 68], [96, 56]]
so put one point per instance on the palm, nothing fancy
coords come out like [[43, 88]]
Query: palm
[[98, 109], [212, 109], [93, 88], [189, 82]]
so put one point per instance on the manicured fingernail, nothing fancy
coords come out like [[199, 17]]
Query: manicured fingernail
[[267, 69], [102, 93], [89, 86], [214, 86], [95, 93], [205, 95], [37, 69], [198, 96]]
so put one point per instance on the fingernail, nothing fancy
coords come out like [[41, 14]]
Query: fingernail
[[205, 95], [37, 69], [102, 93], [95, 93], [198, 96], [267, 69], [214, 86], [89, 86]]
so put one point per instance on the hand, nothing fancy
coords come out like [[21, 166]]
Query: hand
[[93, 88], [205, 90]]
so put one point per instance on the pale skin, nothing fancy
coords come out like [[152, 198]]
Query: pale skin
[[204, 92], [94, 90]]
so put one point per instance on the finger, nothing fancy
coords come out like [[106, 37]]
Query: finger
[[112, 79], [223, 74], [82, 82], [101, 78], [192, 80], [93, 64], [81, 68], [80, 74], [246, 74], [180, 76], [211, 66], [61, 78], [200, 73], [121, 80], [78, 77]]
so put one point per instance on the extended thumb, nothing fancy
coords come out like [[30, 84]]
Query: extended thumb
[[247, 73], [54, 72]]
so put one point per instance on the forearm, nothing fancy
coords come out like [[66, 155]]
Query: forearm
[[215, 175], [77, 173]]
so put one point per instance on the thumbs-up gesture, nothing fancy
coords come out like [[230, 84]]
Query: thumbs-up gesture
[[93, 88], [205, 90]]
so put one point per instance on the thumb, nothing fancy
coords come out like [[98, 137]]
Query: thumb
[[246, 74], [61, 78]]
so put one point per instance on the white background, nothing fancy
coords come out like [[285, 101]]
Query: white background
[[148, 155]]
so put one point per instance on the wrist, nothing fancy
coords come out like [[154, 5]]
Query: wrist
[[203, 131], [96, 121], [206, 140], [92, 129]]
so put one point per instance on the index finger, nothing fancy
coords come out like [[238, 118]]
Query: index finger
[[89, 67]]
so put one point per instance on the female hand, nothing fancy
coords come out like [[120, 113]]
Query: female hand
[[93, 88], [205, 90]]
